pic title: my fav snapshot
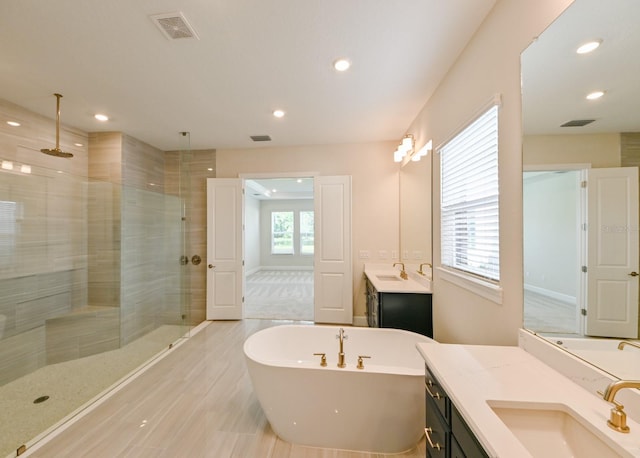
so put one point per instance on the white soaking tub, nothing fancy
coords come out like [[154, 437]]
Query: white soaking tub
[[379, 409]]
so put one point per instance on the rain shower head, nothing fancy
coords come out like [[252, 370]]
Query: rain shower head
[[57, 152]]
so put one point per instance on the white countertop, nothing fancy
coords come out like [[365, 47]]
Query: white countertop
[[414, 284], [474, 374]]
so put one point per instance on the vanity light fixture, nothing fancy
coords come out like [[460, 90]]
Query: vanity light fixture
[[13, 123], [101, 117], [589, 47], [422, 152], [595, 95], [404, 148], [341, 65]]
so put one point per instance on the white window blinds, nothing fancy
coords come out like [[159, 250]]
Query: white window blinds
[[469, 198]]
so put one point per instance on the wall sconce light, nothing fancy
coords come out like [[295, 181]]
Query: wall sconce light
[[422, 152], [404, 148]]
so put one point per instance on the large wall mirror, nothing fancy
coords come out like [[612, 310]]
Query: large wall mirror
[[580, 182], [415, 211]]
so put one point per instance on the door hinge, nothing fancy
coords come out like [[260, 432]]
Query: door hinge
[[243, 299], [584, 269], [583, 184], [583, 312], [584, 226]]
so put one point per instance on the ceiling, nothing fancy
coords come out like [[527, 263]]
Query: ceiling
[[556, 80], [251, 57]]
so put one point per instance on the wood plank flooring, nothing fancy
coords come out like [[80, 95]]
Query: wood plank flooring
[[196, 402]]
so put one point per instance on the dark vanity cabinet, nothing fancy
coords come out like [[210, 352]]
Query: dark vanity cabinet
[[448, 436], [408, 311]]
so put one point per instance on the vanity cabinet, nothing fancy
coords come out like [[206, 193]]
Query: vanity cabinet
[[448, 436], [408, 311]]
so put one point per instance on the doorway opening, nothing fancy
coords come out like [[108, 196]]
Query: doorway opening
[[552, 214], [279, 248]]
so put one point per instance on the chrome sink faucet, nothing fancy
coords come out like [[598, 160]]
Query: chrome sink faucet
[[342, 338]]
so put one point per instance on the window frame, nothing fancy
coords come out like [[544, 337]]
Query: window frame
[[463, 271]]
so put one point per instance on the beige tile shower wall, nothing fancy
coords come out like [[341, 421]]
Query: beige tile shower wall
[[43, 263], [105, 177], [150, 264], [186, 174]]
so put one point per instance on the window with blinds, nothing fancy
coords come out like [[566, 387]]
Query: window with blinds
[[469, 199]]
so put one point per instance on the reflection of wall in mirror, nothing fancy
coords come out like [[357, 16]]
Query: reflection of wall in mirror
[[551, 223], [599, 150], [415, 211]]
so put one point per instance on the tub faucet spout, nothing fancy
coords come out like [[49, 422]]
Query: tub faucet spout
[[342, 338]]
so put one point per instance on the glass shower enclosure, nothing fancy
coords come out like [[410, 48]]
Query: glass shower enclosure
[[93, 283]]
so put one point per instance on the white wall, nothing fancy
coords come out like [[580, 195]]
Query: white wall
[[489, 65], [282, 260], [375, 190], [251, 234], [551, 233]]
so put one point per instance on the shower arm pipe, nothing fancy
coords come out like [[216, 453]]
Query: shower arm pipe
[[58, 96]]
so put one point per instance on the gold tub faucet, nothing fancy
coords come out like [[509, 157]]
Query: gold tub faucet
[[342, 338]]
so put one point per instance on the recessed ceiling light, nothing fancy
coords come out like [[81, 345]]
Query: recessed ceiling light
[[101, 117], [13, 123], [589, 46], [595, 95], [341, 65], [278, 113]]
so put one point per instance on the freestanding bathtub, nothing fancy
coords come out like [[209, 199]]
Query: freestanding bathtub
[[378, 409]]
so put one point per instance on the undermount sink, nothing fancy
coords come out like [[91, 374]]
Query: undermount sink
[[388, 278], [554, 430]]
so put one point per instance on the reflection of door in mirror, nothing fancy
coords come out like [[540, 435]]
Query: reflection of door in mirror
[[580, 246], [415, 211]]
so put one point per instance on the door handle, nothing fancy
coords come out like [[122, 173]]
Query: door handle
[[634, 274], [211, 266]]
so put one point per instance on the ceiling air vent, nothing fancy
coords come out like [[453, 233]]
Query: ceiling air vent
[[174, 26], [577, 123], [260, 138]]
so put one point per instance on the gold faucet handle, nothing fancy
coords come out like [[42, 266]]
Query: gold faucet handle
[[618, 418], [361, 362], [323, 358]]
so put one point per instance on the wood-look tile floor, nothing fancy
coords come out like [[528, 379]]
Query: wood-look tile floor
[[195, 402]]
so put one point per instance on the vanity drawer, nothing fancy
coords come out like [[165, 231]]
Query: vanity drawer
[[437, 394], [466, 440], [437, 431]]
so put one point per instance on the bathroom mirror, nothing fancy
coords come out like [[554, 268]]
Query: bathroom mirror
[[565, 136], [415, 211]]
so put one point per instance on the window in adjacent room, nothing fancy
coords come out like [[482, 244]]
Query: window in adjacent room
[[469, 199], [282, 232], [306, 232]]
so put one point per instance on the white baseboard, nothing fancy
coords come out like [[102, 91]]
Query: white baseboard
[[551, 294]]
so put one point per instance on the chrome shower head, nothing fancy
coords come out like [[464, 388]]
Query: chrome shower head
[[57, 152]]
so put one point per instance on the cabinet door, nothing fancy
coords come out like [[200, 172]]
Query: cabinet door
[[461, 433], [437, 431]]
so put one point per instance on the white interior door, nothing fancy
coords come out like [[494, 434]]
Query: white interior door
[[225, 284], [333, 279], [612, 252]]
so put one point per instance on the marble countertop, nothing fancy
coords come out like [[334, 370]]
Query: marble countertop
[[475, 376], [416, 283]]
